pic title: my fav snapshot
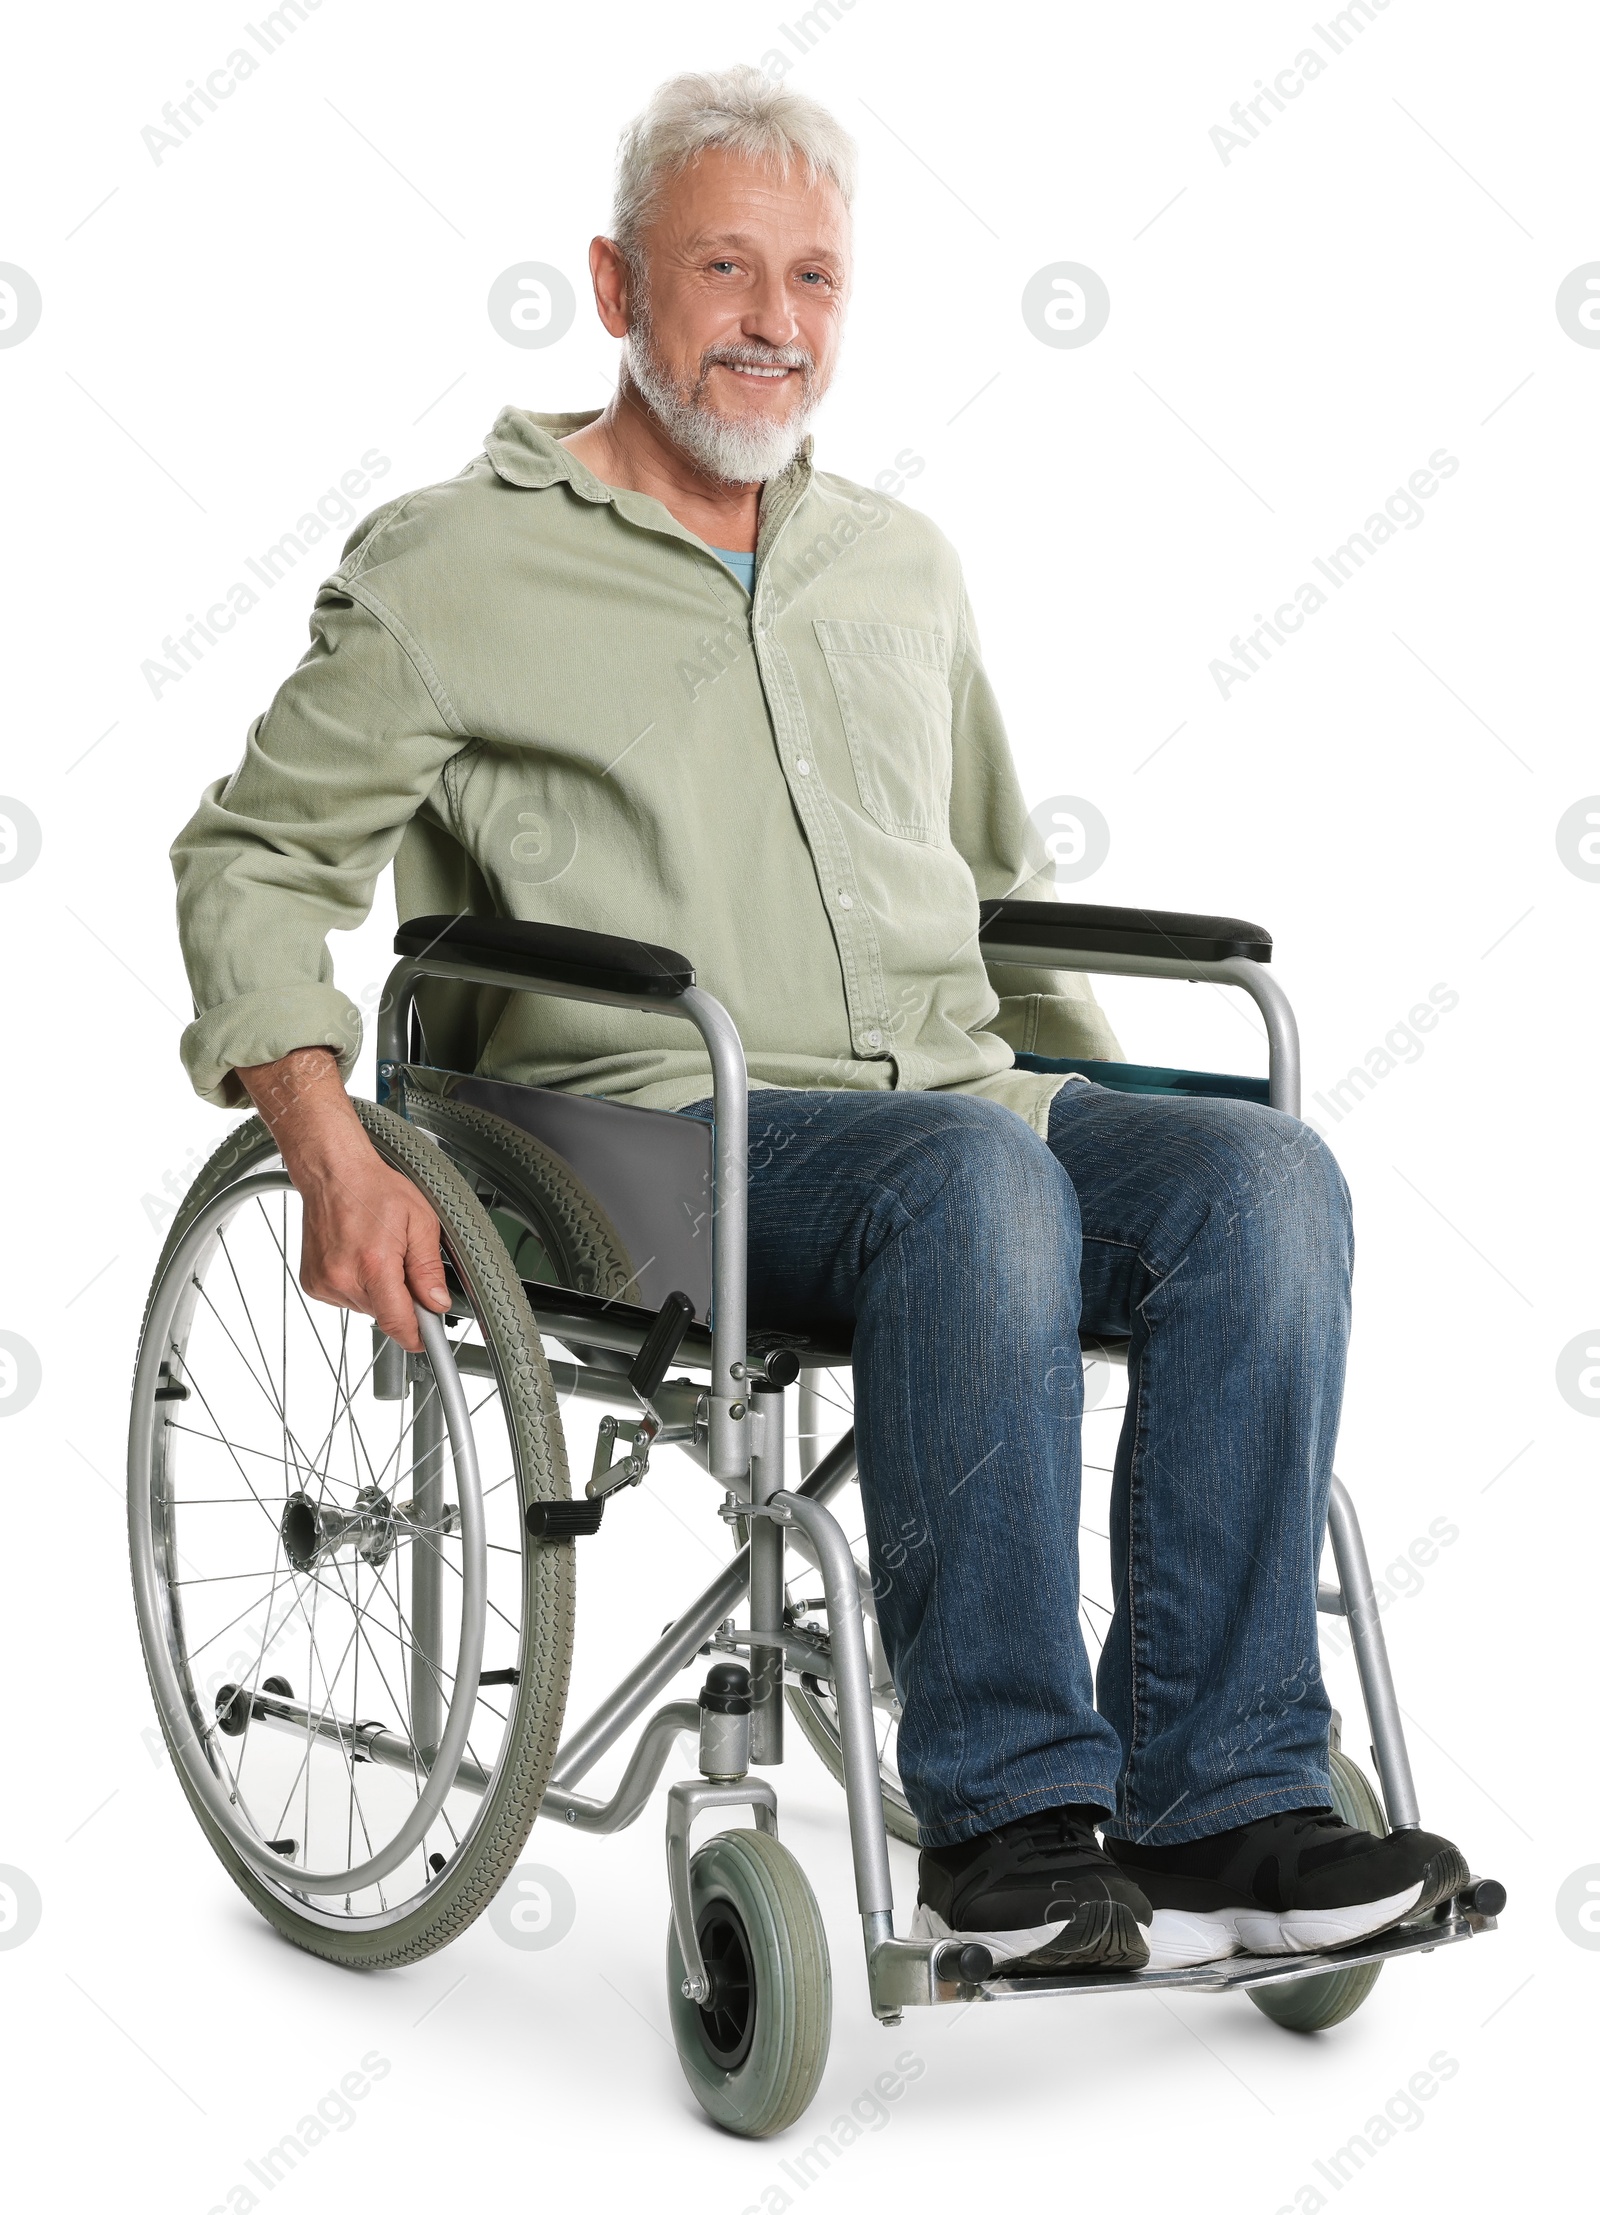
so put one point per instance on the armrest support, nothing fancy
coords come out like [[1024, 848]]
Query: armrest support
[[614, 972], [1046, 927], [548, 953], [1151, 942]]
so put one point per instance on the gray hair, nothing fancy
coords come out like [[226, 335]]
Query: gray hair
[[738, 109]]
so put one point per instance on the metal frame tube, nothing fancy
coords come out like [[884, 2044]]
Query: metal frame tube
[[1253, 977], [684, 1802], [730, 1133], [427, 1565], [648, 1759], [812, 1402], [686, 1636], [852, 1683], [1372, 1662], [361, 1741], [766, 1577]]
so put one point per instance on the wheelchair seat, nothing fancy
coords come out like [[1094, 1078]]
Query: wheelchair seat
[[651, 1171]]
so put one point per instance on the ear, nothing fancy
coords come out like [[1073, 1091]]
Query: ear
[[609, 274]]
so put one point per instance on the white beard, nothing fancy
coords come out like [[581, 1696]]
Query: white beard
[[738, 451]]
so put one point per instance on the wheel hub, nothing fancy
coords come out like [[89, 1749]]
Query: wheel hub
[[313, 1530], [727, 2016]]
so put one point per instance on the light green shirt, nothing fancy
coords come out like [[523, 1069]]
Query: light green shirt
[[542, 697]]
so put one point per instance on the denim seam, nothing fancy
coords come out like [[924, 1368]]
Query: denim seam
[[1136, 1522]]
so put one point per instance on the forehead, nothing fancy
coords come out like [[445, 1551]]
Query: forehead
[[722, 198]]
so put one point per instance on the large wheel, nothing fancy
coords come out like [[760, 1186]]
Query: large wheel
[[755, 2052], [359, 1657], [553, 1228], [1317, 2003]]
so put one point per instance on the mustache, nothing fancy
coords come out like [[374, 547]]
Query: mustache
[[752, 355]]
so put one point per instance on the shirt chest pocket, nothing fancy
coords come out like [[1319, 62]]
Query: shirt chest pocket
[[892, 684]]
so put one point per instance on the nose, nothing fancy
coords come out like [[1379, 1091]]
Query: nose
[[770, 319]]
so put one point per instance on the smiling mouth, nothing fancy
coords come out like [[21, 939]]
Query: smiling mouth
[[748, 369]]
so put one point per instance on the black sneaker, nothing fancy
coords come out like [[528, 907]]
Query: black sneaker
[[1038, 1892], [1288, 1884]]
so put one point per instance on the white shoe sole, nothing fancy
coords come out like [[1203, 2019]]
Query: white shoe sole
[[1003, 1945], [1116, 1942], [1181, 1938]]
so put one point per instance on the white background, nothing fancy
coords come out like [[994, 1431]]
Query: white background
[[1292, 333]]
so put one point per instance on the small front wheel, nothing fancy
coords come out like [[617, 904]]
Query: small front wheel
[[1317, 2003], [755, 2051]]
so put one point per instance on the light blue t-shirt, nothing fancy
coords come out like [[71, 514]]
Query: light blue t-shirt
[[742, 565]]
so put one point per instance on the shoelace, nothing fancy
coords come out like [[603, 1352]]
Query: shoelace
[[1317, 1819], [1053, 1831]]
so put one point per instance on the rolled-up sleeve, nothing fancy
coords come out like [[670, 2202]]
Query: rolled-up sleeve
[[291, 846], [1042, 1011]]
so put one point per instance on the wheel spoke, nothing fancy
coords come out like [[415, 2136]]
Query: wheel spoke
[[337, 1631], [289, 1279]]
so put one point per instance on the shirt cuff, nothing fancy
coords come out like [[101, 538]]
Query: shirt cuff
[[264, 1026]]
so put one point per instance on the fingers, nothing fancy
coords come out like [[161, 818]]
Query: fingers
[[405, 1268], [370, 1242], [370, 1279], [424, 1266], [389, 1302]]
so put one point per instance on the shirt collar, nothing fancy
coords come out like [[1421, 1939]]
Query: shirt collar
[[525, 450]]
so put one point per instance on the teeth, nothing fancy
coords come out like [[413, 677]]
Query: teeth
[[745, 369]]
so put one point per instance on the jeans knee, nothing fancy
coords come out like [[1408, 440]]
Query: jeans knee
[[994, 1180], [1275, 1184]]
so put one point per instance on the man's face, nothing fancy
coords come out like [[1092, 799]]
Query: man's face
[[736, 337]]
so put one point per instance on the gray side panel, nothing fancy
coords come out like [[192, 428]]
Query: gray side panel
[[650, 1171]]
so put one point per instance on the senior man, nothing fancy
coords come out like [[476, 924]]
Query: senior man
[[647, 671]]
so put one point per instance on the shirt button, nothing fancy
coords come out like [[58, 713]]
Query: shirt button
[[803, 766], [845, 900], [874, 1038]]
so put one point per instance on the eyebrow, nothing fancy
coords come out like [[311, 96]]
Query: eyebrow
[[706, 240]]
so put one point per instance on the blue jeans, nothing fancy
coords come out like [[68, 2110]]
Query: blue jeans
[[966, 1253]]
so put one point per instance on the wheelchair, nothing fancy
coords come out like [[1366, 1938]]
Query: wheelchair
[[354, 1568]]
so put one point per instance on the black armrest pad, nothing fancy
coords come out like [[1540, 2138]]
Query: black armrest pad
[[1061, 927], [548, 953]]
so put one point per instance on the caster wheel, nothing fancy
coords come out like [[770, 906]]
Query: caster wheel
[[1317, 2003], [754, 2052]]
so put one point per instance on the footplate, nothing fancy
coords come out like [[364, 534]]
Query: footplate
[[903, 1971]]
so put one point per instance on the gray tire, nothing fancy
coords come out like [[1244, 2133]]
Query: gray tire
[[553, 1228], [754, 2056], [489, 1849], [1317, 2003]]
